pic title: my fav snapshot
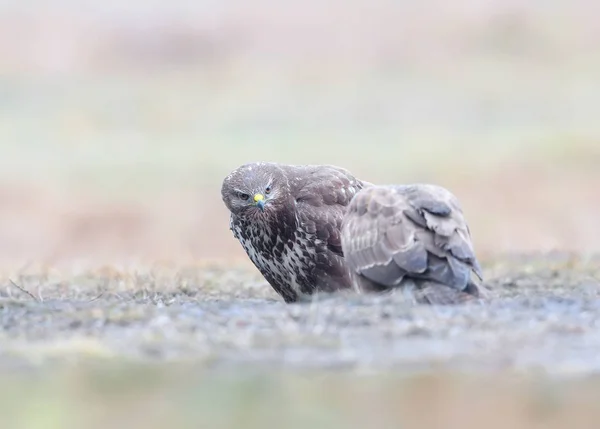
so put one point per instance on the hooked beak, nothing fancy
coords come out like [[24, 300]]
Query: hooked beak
[[259, 201]]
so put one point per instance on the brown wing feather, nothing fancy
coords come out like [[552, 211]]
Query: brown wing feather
[[321, 196], [416, 231], [321, 199]]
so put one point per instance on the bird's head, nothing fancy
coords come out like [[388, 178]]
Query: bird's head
[[254, 189]]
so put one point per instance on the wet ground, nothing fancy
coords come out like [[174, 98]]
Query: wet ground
[[543, 313]]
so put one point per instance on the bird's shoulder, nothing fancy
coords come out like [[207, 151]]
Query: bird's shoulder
[[323, 185], [321, 194]]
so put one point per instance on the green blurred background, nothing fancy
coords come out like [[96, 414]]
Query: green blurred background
[[119, 120]]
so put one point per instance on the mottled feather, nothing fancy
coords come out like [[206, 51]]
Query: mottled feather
[[295, 242], [396, 234]]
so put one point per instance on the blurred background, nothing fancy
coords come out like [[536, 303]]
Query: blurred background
[[119, 120]]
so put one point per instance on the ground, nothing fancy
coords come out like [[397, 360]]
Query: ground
[[195, 332], [124, 299]]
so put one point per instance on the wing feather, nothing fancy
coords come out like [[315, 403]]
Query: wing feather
[[417, 231], [321, 195]]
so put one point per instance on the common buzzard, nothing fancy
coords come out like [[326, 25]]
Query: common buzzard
[[412, 238], [288, 219], [317, 228]]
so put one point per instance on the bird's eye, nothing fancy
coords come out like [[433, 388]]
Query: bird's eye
[[244, 196], [268, 190]]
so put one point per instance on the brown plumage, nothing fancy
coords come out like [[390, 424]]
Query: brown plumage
[[288, 219], [412, 237], [317, 228]]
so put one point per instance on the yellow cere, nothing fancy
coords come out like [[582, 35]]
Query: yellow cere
[[259, 197]]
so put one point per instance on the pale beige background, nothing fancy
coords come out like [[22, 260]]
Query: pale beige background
[[119, 120]]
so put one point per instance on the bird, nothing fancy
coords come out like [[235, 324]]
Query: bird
[[288, 220], [411, 238]]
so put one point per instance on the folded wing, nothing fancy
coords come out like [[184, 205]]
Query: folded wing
[[394, 232]]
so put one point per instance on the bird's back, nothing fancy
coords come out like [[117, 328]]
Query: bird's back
[[399, 234]]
